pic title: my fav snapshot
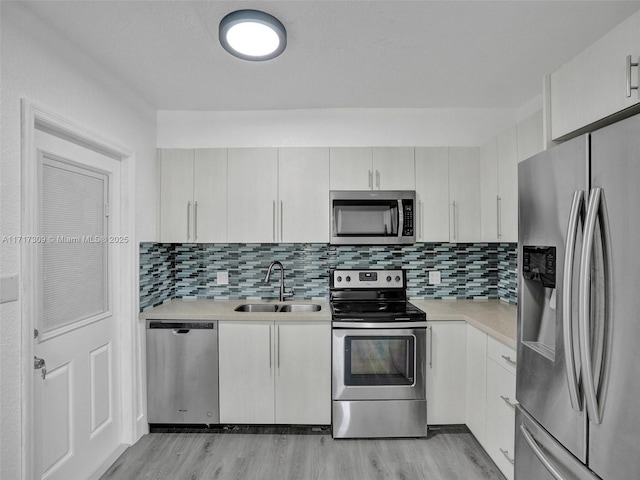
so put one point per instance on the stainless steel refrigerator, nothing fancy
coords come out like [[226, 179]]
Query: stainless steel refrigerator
[[578, 371]]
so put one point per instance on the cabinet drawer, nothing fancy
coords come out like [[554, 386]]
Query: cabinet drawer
[[501, 354], [501, 390], [500, 444]]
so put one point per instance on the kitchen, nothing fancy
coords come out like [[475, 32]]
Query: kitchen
[[44, 64]]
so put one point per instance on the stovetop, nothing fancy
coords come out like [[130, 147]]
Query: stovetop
[[371, 296]]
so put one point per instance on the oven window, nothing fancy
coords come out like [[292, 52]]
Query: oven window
[[379, 360]]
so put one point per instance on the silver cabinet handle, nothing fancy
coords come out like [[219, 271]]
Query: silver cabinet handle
[[499, 214], [509, 360], [595, 209], [378, 179], [567, 280], [506, 454], [540, 454], [281, 220], [270, 348], [278, 349], [421, 218], [507, 400], [274, 221], [40, 364], [430, 333], [188, 221], [370, 179], [629, 65], [195, 221], [454, 208]]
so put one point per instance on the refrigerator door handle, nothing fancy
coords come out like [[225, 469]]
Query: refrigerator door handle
[[596, 207], [540, 454], [567, 294]]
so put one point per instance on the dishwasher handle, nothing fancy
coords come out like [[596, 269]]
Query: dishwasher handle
[[180, 328]]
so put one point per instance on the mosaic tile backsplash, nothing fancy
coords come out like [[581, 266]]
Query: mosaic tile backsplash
[[475, 270]]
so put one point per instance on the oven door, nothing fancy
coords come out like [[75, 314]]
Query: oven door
[[379, 363]]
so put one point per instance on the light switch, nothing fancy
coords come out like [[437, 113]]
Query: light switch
[[222, 278], [9, 289], [434, 277]]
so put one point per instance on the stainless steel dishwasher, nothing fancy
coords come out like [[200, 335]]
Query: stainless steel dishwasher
[[182, 372]]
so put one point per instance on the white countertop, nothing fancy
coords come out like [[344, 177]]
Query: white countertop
[[206, 309], [495, 318]]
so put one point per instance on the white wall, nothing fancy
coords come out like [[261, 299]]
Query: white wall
[[332, 127], [40, 65]]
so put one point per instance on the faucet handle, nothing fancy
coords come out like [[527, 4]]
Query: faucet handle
[[288, 294]]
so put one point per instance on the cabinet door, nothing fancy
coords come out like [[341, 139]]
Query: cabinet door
[[303, 373], [252, 196], [246, 354], [210, 196], [393, 168], [351, 168], [304, 195], [432, 191], [176, 195], [593, 84], [476, 382], [464, 194], [446, 373], [530, 136], [489, 191], [508, 185]]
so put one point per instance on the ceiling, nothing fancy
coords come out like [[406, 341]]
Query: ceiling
[[340, 54]]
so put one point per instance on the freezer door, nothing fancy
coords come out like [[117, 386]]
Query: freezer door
[[540, 457], [613, 443], [550, 184]]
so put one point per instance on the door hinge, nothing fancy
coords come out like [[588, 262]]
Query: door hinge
[[35, 333]]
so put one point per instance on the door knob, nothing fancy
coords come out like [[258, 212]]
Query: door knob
[[40, 364]]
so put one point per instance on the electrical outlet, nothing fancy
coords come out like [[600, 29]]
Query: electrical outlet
[[434, 277], [222, 278]]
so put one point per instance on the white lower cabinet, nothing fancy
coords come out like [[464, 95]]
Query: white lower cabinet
[[275, 372], [490, 396], [476, 405], [446, 372]]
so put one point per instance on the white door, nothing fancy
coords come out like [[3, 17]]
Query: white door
[[77, 395]]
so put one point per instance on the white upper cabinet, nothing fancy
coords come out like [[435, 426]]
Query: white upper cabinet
[[351, 168], [499, 188], [193, 195], [252, 200], [593, 85], [304, 195], [530, 136], [366, 168], [464, 194], [393, 168], [432, 191]]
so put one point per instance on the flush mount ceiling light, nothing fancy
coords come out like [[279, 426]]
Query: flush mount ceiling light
[[252, 35]]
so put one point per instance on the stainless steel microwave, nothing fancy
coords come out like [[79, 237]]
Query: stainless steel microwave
[[372, 217]]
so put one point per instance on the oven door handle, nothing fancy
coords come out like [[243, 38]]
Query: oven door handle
[[378, 325]]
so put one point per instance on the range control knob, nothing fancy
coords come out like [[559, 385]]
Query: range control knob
[[397, 278], [348, 278], [388, 278], [339, 278]]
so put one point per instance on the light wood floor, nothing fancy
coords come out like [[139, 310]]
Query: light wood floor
[[299, 454]]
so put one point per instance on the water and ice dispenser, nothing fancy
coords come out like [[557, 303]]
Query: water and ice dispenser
[[539, 298]]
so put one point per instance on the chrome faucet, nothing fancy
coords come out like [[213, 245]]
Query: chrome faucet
[[283, 294]]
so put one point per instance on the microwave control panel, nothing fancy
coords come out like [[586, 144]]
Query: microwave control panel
[[407, 212]]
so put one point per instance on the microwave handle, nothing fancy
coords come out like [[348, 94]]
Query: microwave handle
[[400, 219]]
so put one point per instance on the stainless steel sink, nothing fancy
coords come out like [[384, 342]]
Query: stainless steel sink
[[300, 308], [287, 307], [257, 307]]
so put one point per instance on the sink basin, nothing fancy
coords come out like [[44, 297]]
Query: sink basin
[[257, 307], [270, 307], [300, 308]]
